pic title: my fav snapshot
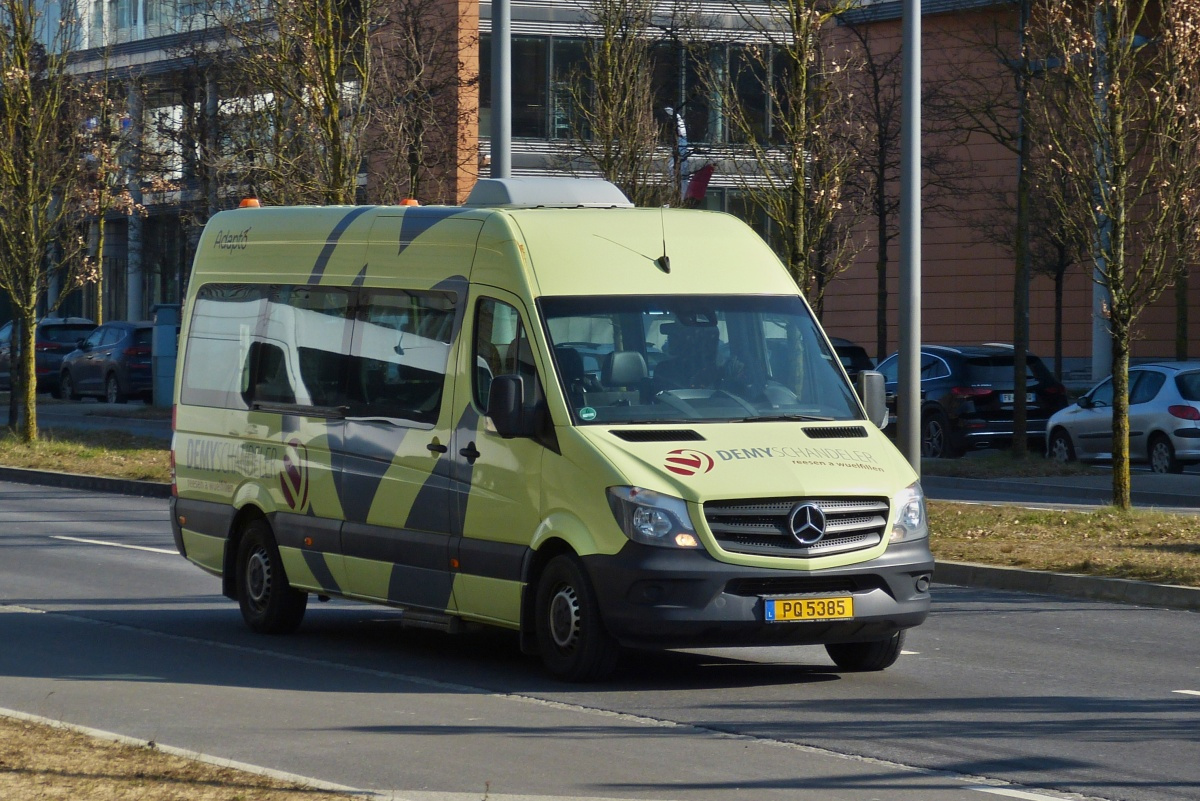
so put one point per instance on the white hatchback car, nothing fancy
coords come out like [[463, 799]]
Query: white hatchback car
[[1164, 419]]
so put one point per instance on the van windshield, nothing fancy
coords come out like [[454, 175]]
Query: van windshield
[[672, 359]]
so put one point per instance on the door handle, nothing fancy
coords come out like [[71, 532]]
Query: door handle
[[470, 453], [436, 447]]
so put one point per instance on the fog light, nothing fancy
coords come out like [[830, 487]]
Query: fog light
[[922, 583]]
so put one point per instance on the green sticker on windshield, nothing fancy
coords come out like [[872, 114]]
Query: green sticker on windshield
[[587, 414]]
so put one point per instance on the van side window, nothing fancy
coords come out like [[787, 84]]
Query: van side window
[[399, 354], [224, 319], [268, 366], [502, 348], [310, 328]]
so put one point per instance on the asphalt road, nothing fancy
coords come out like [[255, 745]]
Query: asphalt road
[[106, 627]]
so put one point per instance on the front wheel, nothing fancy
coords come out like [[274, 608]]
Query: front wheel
[[1162, 456], [571, 637], [66, 387], [112, 390], [1061, 449], [269, 605], [864, 657]]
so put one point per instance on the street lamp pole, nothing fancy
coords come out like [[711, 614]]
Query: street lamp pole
[[909, 388], [501, 128]]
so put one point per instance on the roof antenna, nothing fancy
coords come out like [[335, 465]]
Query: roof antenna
[[663, 261]]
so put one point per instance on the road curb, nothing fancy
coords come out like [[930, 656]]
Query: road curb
[[965, 574], [1071, 585], [306, 782], [121, 486]]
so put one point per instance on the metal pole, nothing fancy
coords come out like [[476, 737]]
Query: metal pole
[[501, 89], [909, 390]]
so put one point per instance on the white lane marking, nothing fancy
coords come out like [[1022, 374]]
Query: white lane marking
[[517, 698], [115, 544], [1004, 791], [910, 653], [1187, 692]]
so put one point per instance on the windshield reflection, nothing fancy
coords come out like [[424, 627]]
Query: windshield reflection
[[649, 359]]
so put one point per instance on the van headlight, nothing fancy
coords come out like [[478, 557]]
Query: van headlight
[[911, 521], [652, 518]]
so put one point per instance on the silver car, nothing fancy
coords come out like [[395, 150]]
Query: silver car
[[1164, 419]]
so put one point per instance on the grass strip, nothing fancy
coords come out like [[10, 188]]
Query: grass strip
[[1140, 544], [111, 453], [44, 763]]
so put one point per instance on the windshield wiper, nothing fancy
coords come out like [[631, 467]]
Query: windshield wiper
[[778, 418]]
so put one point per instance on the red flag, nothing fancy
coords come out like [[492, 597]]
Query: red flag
[[698, 183]]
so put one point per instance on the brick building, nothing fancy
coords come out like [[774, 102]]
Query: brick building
[[967, 276]]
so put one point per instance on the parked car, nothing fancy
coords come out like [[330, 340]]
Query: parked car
[[55, 338], [1164, 419], [967, 397], [853, 357], [112, 364]]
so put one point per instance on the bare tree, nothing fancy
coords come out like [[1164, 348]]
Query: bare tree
[[105, 181], [877, 99], [40, 174], [797, 171], [295, 117], [1125, 107], [989, 97], [420, 101], [611, 101]]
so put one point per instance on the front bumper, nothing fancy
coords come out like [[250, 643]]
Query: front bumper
[[667, 598]]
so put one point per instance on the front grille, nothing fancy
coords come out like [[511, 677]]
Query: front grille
[[761, 526]]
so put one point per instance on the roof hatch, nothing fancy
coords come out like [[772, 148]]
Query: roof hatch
[[560, 193]]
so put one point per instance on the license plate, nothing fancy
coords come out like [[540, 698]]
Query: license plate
[[1008, 397], [781, 610]]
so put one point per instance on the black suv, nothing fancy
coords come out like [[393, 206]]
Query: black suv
[[853, 357], [967, 397], [55, 338]]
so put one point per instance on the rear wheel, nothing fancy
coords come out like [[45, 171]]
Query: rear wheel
[[1162, 456], [571, 637], [112, 390], [864, 657], [935, 436], [1061, 449], [269, 605]]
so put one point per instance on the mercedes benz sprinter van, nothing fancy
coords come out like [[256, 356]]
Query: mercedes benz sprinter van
[[544, 410]]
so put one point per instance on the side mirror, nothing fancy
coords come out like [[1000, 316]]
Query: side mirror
[[870, 391], [1085, 402], [506, 407], [83, 345]]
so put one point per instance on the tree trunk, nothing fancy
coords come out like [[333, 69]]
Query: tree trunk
[[1181, 314], [1120, 418], [29, 428], [1058, 323]]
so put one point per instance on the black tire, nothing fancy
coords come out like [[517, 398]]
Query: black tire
[[1061, 449], [269, 605], [866, 657], [935, 436], [1162, 456], [572, 640], [66, 387], [112, 390]]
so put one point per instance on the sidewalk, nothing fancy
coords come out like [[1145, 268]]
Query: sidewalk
[[1147, 490]]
